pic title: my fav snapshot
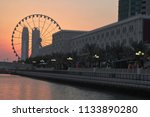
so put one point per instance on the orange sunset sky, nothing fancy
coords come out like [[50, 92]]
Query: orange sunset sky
[[69, 14]]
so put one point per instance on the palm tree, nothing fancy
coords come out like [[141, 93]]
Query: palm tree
[[119, 51], [89, 50], [138, 46]]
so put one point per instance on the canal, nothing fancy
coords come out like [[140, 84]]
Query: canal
[[13, 87]]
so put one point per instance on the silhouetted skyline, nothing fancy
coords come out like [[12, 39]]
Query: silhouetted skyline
[[70, 14]]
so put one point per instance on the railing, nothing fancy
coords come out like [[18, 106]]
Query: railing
[[132, 74]]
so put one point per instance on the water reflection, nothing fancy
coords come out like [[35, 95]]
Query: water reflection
[[18, 88]]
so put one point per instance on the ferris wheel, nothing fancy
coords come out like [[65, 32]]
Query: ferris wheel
[[46, 26]]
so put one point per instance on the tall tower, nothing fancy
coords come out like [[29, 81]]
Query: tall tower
[[36, 41], [25, 44], [128, 8]]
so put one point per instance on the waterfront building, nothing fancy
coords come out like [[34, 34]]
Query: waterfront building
[[25, 44], [133, 26], [129, 8], [60, 42], [133, 29]]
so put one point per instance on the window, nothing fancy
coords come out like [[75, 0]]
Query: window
[[131, 28], [124, 30], [112, 33], [102, 35], [117, 31], [97, 37]]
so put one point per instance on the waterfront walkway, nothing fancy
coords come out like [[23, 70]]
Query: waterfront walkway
[[137, 79]]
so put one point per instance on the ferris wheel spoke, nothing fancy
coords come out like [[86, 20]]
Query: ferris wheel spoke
[[18, 31], [47, 29], [50, 32], [47, 37], [43, 26], [17, 43], [39, 23], [47, 34], [33, 22], [29, 25], [46, 42], [17, 37]]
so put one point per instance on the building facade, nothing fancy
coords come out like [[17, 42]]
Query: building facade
[[133, 29], [129, 8], [60, 42]]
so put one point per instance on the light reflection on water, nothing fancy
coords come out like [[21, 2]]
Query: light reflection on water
[[23, 88], [17, 87]]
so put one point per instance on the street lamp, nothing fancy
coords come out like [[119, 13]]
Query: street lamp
[[34, 62], [70, 59], [96, 56], [53, 60], [42, 61], [97, 59], [139, 53]]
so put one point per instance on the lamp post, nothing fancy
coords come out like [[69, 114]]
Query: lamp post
[[53, 62], [140, 54], [70, 59], [97, 59]]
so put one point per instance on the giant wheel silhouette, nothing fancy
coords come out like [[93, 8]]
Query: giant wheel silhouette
[[45, 24]]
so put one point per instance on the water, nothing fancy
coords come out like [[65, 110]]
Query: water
[[14, 87]]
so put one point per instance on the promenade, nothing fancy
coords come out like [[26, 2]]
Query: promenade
[[121, 78]]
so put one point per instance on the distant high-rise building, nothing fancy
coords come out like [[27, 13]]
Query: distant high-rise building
[[36, 41], [25, 44], [128, 8]]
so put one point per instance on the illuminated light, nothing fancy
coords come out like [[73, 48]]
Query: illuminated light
[[69, 59], [139, 53], [33, 61], [42, 61], [96, 56], [53, 60]]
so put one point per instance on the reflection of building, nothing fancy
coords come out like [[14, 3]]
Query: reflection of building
[[36, 42], [128, 8], [25, 44]]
